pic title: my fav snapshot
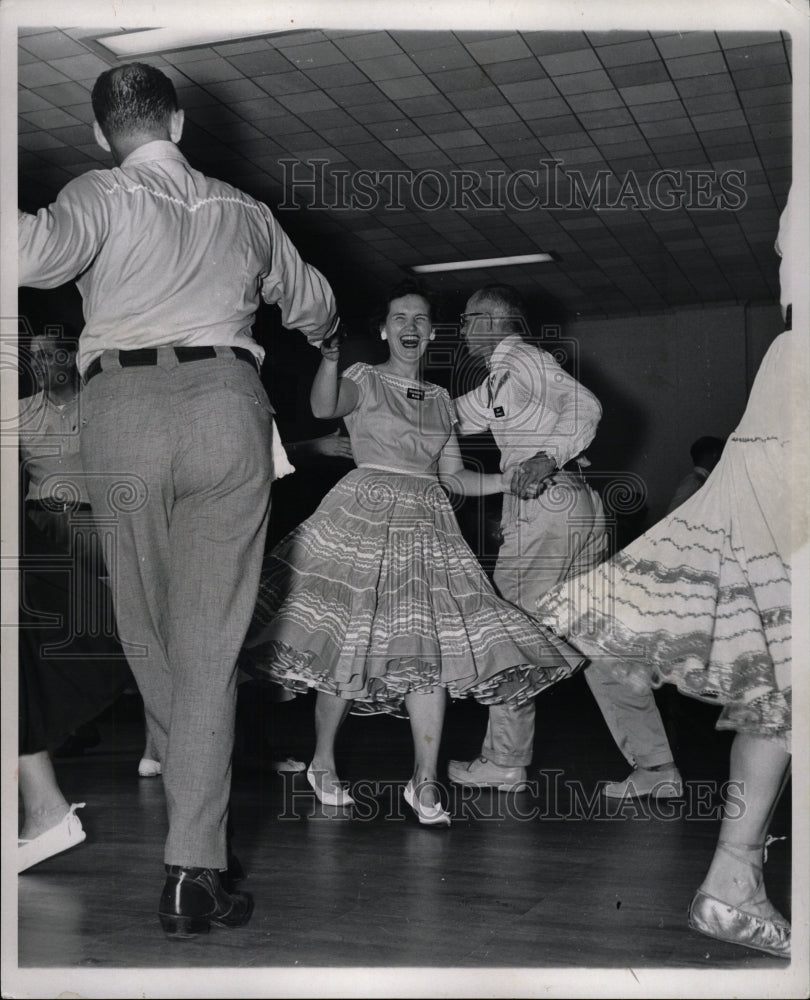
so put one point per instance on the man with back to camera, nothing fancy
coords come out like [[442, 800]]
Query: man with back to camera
[[171, 265], [553, 528]]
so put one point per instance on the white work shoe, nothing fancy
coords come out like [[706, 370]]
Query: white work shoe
[[484, 773], [67, 833], [148, 768], [642, 783]]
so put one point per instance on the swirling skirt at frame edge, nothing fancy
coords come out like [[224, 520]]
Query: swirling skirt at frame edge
[[378, 594], [668, 611]]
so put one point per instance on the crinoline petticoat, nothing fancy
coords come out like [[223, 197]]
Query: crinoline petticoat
[[378, 594]]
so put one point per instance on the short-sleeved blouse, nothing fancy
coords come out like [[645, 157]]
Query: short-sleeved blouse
[[398, 424]]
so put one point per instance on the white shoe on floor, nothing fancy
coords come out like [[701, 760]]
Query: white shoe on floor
[[335, 796], [642, 783], [484, 773], [67, 833], [149, 768], [289, 765]]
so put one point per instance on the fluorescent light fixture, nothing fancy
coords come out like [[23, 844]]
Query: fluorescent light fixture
[[467, 265], [128, 44]]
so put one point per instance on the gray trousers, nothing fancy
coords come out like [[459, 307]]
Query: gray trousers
[[178, 463], [545, 541]]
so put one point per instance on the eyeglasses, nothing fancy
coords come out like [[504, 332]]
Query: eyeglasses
[[466, 318]]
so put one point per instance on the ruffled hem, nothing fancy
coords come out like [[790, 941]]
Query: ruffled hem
[[298, 671]]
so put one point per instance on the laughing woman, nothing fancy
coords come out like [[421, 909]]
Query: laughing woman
[[376, 599]]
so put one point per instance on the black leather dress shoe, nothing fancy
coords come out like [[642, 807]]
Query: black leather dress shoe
[[194, 898]]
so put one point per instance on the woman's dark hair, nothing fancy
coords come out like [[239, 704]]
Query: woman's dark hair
[[133, 98], [399, 291]]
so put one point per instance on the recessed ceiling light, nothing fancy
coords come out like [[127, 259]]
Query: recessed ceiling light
[[148, 41], [467, 265]]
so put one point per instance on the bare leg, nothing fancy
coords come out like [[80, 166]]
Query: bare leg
[[330, 713], [44, 805], [426, 712], [759, 767]]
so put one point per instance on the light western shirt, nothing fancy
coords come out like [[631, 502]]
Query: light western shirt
[[530, 404], [49, 442], [168, 256]]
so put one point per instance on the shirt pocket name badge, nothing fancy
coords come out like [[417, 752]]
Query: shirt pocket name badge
[[416, 393], [498, 411]]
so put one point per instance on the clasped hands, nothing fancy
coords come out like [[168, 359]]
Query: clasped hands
[[529, 479]]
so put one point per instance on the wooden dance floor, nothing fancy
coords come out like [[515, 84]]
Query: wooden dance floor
[[548, 879]]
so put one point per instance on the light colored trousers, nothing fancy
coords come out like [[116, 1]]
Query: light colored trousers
[[178, 460], [545, 541]]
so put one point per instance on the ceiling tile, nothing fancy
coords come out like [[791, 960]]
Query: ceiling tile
[[238, 48], [546, 43], [83, 67], [594, 101], [211, 71], [640, 51], [638, 74], [487, 97], [712, 103], [406, 87], [496, 50], [417, 41], [314, 100], [673, 46], [657, 112], [382, 111], [278, 84], [700, 86], [388, 67], [606, 118], [264, 107], [491, 116], [529, 90], [445, 58], [582, 83], [449, 121], [781, 94], [514, 72], [761, 76], [358, 95], [38, 140], [52, 45], [667, 127], [367, 46], [234, 91], [259, 63], [736, 39], [551, 107], [39, 74], [50, 118], [432, 104], [565, 63], [314, 55], [649, 93]]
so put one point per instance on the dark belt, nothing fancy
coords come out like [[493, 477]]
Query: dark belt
[[148, 357], [54, 506]]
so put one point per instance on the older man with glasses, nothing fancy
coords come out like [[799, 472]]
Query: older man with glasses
[[553, 528]]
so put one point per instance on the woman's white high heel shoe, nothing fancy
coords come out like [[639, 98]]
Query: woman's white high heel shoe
[[427, 815], [329, 798], [67, 833]]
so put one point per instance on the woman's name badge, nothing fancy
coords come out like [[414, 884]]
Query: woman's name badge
[[416, 393]]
